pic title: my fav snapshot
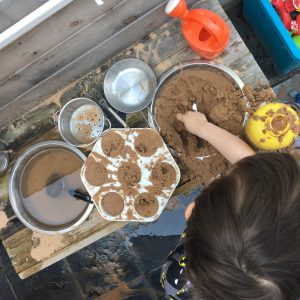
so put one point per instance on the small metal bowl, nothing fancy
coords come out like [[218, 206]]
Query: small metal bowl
[[130, 85]]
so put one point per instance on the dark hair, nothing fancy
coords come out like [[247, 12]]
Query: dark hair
[[243, 237]]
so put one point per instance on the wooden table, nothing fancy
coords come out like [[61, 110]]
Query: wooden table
[[162, 49]]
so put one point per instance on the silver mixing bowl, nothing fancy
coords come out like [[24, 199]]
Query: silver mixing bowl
[[196, 64], [15, 190]]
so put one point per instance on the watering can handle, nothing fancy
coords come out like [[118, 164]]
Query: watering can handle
[[213, 28]]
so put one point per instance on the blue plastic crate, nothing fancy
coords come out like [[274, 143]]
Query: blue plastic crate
[[274, 36]]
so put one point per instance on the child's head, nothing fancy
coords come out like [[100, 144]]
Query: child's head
[[243, 237]]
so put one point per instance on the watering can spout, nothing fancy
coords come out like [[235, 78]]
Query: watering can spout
[[177, 9]]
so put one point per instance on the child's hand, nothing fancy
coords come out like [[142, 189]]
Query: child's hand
[[194, 122]]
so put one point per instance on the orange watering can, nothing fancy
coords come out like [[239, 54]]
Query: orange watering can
[[205, 32]]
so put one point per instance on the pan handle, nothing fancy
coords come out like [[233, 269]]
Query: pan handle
[[117, 117], [107, 131], [55, 117], [155, 124]]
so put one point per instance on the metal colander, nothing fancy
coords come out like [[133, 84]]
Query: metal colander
[[81, 122]]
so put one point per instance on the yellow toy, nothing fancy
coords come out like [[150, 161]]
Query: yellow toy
[[273, 126]]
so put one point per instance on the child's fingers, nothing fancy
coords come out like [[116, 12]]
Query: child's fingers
[[180, 117]]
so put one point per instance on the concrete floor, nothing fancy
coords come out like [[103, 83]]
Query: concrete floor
[[123, 265], [126, 264]]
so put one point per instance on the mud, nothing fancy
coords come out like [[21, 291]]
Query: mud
[[85, 125], [46, 199], [113, 204], [147, 143], [258, 96], [163, 175], [129, 174], [95, 173], [146, 205], [113, 145], [283, 121], [279, 123], [3, 219], [219, 99], [43, 246]]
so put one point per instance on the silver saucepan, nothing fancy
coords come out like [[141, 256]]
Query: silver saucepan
[[33, 219]]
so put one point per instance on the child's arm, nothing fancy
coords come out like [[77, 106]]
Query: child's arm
[[230, 146]]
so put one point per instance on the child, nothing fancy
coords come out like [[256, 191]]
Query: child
[[243, 232]]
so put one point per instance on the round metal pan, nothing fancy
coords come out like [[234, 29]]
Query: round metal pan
[[130, 85]]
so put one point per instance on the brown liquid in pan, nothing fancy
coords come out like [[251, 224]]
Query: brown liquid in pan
[[45, 182]]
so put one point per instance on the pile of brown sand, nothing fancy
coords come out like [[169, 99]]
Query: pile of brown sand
[[258, 96], [112, 144], [147, 143], [113, 204], [163, 175], [95, 173], [129, 174], [219, 99], [146, 205]]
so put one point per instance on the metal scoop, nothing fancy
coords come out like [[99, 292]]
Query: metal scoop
[[56, 185], [194, 107]]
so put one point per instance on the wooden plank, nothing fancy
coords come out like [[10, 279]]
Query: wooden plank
[[25, 255], [12, 11], [70, 48], [83, 64], [162, 49], [243, 64], [37, 43]]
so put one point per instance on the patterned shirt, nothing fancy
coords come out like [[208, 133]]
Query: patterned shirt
[[173, 275]]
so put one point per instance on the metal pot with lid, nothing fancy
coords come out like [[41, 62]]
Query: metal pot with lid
[[39, 187]]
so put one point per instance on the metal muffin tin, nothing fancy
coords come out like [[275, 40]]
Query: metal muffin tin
[[145, 163]]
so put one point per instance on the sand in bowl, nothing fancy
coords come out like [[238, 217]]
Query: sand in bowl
[[147, 143], [218, 98], [113, 144], [129, 174], [113, 204], [146, 205], [95, 172], [163, 175]]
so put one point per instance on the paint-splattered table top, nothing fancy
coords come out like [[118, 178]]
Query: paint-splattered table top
[[162, 49]]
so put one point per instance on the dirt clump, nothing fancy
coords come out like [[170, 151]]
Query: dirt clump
[[256, 97], [113, 204], [163, 175], [219, 99], [146, 205], [95, 172], [112, 144], [147, 143], [129, 174]]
